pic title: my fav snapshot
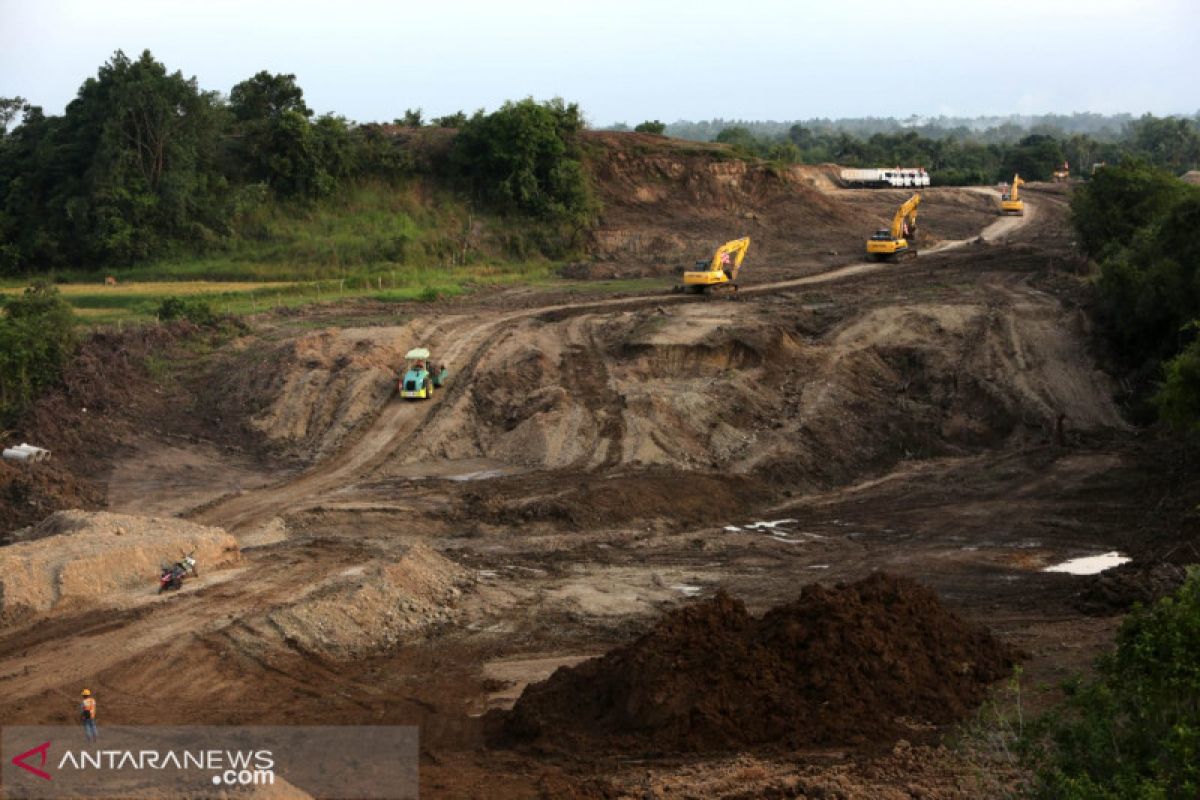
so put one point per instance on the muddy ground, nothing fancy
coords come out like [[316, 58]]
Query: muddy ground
[[597, 461]]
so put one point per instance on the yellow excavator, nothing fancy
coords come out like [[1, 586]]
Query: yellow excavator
[[892, 244], [719, 274], [1010, 201]]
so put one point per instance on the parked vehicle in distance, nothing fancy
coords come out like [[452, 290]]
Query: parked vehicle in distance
[[886, 177]]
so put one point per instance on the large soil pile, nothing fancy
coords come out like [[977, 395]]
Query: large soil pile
[[80, 558], [842, 665]]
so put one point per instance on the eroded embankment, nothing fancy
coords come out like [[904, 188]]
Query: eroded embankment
[[709, 386]]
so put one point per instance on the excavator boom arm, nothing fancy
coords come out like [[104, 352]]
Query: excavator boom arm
[[736, 250], [1015, 192], [907, 211]]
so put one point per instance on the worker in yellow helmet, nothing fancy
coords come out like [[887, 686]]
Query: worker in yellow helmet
[[87, 713]]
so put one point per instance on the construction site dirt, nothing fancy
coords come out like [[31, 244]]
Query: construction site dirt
[[599, 461]]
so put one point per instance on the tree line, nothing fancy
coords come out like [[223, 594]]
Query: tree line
[[1171, 143], [989, 128], [143, 163]]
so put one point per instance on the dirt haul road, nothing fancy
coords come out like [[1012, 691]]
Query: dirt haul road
[[595, 462]]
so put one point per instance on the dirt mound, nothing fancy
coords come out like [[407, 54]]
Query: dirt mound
[[80, 558], [375, 607], [840, 665]]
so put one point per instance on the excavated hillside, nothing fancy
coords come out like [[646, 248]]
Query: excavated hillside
[[665, 203]]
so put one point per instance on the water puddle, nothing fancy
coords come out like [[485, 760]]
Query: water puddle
[[758, 526], [687, 590], [776, 530], [1089, 565]]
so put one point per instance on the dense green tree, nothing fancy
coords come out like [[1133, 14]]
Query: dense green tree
[[278, 144], [1178, 398], [1168, 142], [10, 109], [267, 96], [526, 157], [1035, 158], [651, 126], [740, 139], [129, 167], [1143, 226], [1118, 201], [455, 120]]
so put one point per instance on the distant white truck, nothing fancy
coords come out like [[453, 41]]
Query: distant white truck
[[886, 177]]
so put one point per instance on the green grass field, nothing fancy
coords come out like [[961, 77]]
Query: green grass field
[[98, 304], [395, 243]]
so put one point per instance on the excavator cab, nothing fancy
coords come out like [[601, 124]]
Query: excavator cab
[[1011, 202], [718, 274], [892, 244]]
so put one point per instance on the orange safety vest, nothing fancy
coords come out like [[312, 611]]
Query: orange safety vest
[[89, 705]]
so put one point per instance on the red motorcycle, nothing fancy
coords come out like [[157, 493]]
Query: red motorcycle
[[172, 575]]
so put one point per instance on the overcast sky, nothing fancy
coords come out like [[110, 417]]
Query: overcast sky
[[641, 59]]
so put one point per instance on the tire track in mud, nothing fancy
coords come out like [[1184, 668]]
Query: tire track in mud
[[588, 378]]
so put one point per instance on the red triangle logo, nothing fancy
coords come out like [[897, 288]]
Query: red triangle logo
[[41, 750]]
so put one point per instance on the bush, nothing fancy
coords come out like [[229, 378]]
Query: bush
[[1134, 730], [1120, 200], [526, 158], [652, 126], [193, 309], [1178, 398], [37, 338]]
